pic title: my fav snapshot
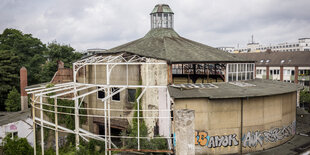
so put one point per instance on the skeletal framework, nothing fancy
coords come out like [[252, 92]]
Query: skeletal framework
[[74, 89]]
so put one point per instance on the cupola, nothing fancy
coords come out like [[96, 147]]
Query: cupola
[[161, 17]]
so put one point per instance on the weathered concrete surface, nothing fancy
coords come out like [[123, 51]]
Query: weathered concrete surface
[[267, 122], [153, 99], [154, 75], [98, 75], [184, 132]]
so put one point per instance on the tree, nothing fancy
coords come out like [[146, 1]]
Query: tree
[[18, 49], [65, 53], [12, 103], [17, 146], [9, 74], [29, 50], [56, 52]]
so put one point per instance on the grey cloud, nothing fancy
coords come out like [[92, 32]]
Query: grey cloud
[[108, 23]]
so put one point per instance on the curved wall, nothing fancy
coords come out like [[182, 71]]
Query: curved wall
[[267, 121]]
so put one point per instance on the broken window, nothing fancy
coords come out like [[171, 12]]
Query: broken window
[[115, 97], [100, 94], [131, 95]]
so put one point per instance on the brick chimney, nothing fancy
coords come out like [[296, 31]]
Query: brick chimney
[[23, 85], [60, 64]]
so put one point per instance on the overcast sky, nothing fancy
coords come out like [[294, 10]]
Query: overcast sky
[[107, 23]]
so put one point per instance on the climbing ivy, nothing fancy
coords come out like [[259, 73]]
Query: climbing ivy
[[132, 131], [64, 119]]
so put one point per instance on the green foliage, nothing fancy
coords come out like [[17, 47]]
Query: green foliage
[[64, 53], [90, 147], [54, 53], [132, 131], [12, 103], [304, 97], [18, 49], [9, 74], [17, 146], [28, 49]]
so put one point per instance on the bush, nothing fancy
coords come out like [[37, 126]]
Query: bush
[[17, 146], [304, 96], [12, 103]]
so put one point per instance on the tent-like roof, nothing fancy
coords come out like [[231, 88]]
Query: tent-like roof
[[166, 44]]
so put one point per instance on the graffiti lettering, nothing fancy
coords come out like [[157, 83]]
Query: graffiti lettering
[[249, 139], [277, 134], [252, 139], [202, 138]]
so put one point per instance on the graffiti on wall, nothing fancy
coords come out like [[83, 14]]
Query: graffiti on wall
[[249, 139], [202, 138], [252, 139]]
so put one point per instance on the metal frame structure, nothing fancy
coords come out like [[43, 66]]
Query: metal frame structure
[[75, 88]]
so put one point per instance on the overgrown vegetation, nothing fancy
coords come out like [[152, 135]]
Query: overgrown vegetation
[[16, 146], [18, 49], [305, 99], [132, 131], [12, 103]]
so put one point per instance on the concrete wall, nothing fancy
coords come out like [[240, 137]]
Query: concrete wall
[[266, 122], [155, 98], [97, 75], [157, 75]]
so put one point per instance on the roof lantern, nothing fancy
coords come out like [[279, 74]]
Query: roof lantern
[[161, 17]]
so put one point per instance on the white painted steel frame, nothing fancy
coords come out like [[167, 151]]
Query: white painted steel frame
[[73, 88]]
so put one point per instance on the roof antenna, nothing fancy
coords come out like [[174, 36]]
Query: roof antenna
[[252, 39]]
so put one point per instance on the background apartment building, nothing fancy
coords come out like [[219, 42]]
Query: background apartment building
[[303, 44], [291, 67]]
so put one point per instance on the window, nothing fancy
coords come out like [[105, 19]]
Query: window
[[243, 71], [100, 94], [131, 95], [278, 71], [115, 97], [14, 134]]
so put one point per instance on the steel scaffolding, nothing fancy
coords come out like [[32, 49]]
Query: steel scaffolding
[[75, 90]]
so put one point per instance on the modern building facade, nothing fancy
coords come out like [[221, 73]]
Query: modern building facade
[[303, 44]]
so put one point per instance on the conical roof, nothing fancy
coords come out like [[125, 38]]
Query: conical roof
[[166, 44], [161, 8]]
